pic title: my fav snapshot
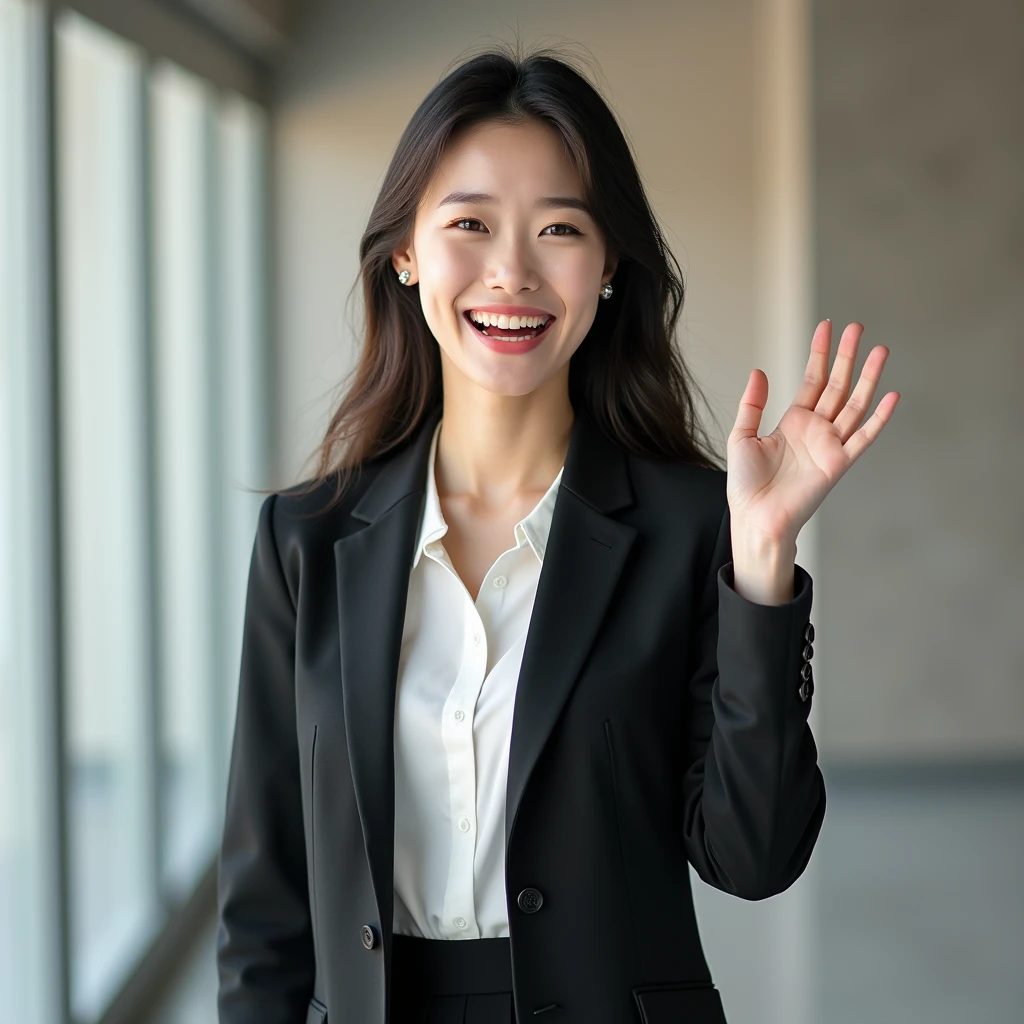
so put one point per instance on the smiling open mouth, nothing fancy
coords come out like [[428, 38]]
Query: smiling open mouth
[[507, 334]]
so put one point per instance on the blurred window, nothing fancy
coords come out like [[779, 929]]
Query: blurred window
[[29, 761], [154, 406], [113, 891]]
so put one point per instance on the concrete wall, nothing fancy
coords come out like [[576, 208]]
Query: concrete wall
[[920, 236]]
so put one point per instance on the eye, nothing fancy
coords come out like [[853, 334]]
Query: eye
[[473, 220]]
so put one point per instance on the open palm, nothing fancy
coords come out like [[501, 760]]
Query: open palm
[[776, 483]]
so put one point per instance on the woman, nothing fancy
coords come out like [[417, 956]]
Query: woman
[[524, 649]]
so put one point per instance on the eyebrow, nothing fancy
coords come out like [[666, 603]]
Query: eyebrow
[[545, 202]]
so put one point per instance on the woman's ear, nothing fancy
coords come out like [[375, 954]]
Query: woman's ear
[[405, 259]]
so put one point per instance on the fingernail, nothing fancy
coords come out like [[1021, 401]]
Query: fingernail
[[827, 320]]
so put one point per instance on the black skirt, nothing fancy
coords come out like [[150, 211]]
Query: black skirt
[[451, 981]]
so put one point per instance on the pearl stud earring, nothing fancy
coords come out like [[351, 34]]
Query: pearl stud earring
[[403, 277]]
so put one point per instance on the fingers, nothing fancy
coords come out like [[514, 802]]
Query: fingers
[[820, 391], [860, 401], [816, 371], [861, 439], [835, 387], [827, 393]]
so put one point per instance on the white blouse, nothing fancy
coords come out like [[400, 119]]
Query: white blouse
[[457, 677]]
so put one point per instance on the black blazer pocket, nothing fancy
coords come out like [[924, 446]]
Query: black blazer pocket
[[317, 1013], [695, 1002]]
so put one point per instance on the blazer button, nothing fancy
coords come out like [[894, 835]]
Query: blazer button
[[805, 670], [809, 633], [530, 900], [808, 652], [806, 689], [369, 934]]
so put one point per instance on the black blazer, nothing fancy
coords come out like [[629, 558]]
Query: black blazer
[[660, 719]]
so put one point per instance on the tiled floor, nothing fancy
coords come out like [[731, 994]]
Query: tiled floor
[[912, 910]]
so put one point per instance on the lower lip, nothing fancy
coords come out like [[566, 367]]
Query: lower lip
[[511, 347]]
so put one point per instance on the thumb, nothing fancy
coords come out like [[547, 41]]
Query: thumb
[[752, 403]]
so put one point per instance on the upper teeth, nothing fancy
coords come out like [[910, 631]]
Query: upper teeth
[[507, 323]]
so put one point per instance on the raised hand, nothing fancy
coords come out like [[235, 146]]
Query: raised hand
[[775, 483]]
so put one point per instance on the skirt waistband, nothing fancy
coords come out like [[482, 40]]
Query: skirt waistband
[[451, 966]]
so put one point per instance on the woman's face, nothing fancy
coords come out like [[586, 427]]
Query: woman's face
[[514, 249]]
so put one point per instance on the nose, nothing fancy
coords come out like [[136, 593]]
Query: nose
[[511, 267]]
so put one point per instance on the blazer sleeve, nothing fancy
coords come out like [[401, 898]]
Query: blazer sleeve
[[265, 957], [753, 795]]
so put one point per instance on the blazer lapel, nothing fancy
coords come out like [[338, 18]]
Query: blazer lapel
[[584, 558], [372, 567]]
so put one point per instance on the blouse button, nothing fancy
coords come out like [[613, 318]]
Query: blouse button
[[476, 639], [464, 824], [460, 715], [500, 581], [460, 922]]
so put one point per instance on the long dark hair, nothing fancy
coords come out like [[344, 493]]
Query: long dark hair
[[626, 372]]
